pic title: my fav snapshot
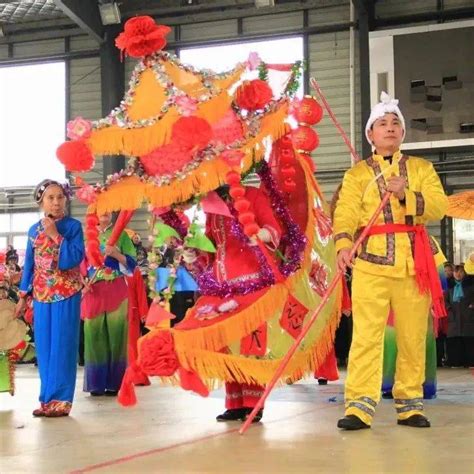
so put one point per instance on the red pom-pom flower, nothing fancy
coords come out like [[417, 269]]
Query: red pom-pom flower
[[191, 133], [142, 36], [253, 95], [75, 156], [157, 355]]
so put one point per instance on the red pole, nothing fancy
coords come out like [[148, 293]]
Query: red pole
[[315, 314], [316, 87]]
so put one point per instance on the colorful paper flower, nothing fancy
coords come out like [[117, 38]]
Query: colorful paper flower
[[142, 37], [78, 128], [186, 105], [253, 95], [253, 61]]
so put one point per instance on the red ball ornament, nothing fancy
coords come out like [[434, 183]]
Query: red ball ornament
[[232, 157], [237, 192], [287, 156], [288, 172], [253, 95], [305, 139], [251, 229], [308, 111], [289, 185], [93, 245], [241, 205], [232, 178], [91, 233], [285, 141], [75, 156], [246, 218], [92, 220]]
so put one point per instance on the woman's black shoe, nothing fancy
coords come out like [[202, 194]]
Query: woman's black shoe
[[233, 414], [351, 423], [415, 421], [322, 381]]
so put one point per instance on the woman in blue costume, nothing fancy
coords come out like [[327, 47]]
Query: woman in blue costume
[[54, 251]]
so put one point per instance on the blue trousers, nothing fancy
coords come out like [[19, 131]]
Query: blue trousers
[[56, 327]]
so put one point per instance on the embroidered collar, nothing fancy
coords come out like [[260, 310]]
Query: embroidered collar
[[395, 158]]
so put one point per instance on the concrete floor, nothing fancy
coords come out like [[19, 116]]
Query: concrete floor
[[172, 431]]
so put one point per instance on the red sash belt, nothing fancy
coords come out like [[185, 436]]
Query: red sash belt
[[427, 277]]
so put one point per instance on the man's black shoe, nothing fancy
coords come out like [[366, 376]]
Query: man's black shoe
[[233, 414], [415, 421], [256, 418], [387, 395], [351, 423]]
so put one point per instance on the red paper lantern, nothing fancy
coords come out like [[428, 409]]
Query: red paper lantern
[[251, 229], [253, 95], [75, 156], [305, 139], [237, 192], [308, 111]]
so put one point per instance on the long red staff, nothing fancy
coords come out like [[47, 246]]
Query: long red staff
[[335, 280], [318, 90], [314, 316]]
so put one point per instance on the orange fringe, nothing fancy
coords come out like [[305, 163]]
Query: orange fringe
[[214, 367], [220, 335]]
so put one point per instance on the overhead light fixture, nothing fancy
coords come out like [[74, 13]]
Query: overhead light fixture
[[264, 3], [110, 13]]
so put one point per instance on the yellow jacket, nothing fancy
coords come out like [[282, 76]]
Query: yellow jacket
[[362, 189]]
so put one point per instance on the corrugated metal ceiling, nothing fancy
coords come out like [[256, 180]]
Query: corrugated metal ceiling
[[26, 11]]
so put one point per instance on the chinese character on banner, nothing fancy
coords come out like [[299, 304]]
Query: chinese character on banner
[[255, 343], [293, 317]]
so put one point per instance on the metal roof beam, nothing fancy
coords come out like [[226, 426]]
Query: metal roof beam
[[85, 13]]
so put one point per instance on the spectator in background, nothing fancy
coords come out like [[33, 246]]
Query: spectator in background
[[449, 273], [142, 254], [460, 306]]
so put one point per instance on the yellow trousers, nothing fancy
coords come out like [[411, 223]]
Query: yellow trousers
[[372, 298]]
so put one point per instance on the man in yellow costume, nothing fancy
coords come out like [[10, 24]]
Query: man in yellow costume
[[394, 268]]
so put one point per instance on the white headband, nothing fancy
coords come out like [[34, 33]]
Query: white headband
[[387, 105]]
